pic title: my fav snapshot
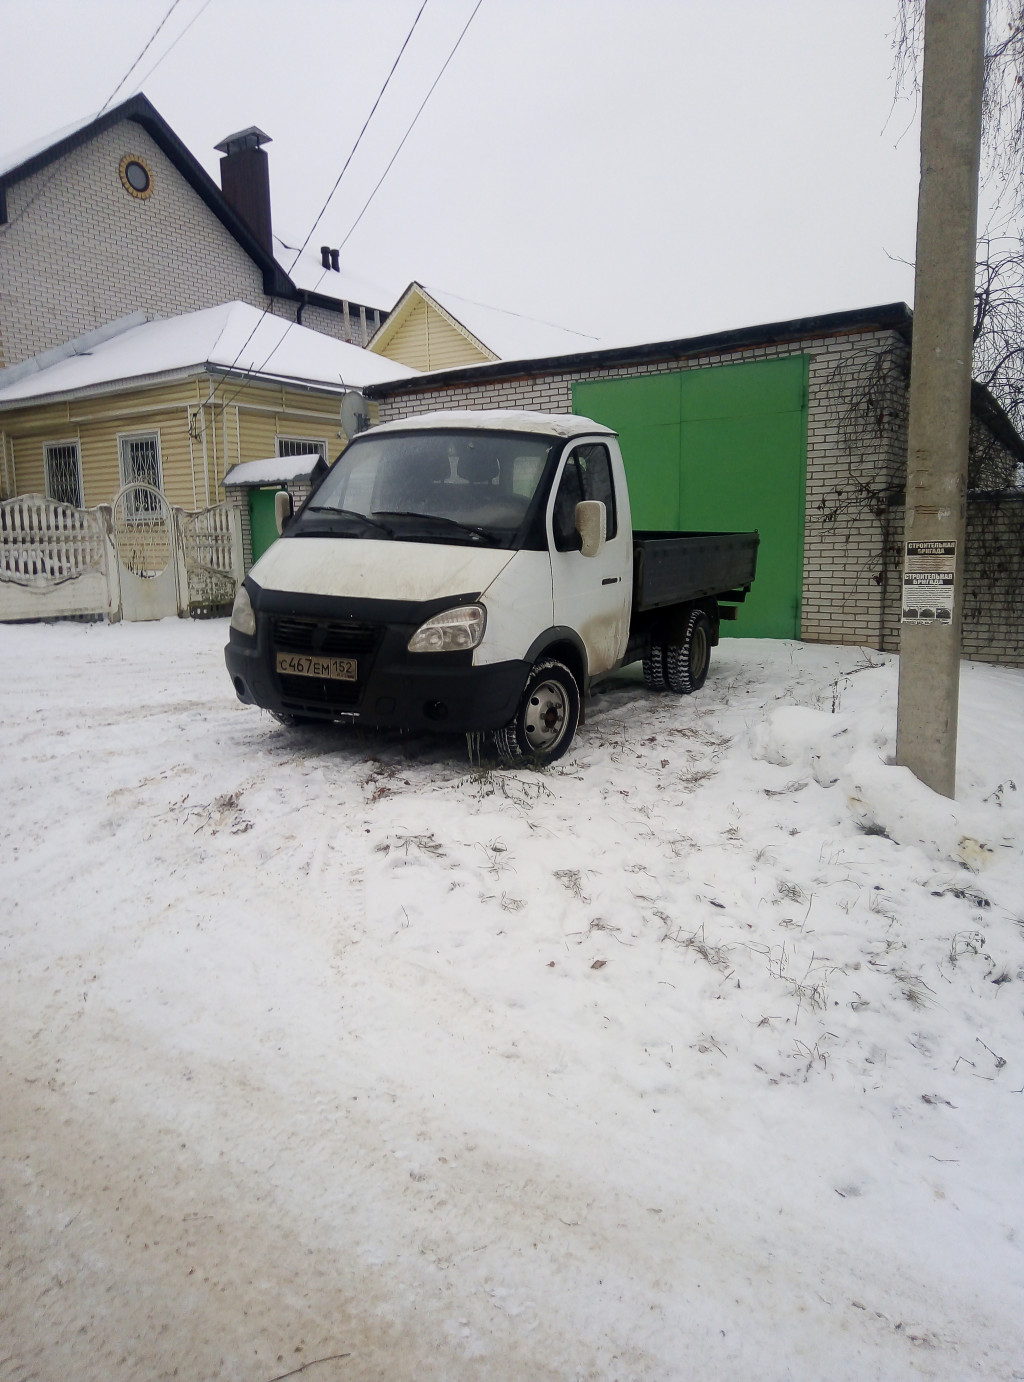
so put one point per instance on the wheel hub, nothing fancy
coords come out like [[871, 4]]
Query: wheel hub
[[545, 715]]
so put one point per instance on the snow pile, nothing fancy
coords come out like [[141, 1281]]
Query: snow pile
[[698, 1055]]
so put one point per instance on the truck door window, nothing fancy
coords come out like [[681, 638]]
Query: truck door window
[[587, 475]]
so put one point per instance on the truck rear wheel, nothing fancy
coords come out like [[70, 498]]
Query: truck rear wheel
[[544, 724], [686, 663], [654, 667]]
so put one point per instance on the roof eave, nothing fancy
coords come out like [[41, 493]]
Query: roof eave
[[395, 318], [895, 316], [106, 386], [268, 377]]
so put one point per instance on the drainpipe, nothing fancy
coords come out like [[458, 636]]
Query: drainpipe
[[7, 486], [303, 304], [206, 462], [213, 439], [191, 454]]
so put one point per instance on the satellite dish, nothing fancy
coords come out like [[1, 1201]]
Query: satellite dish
[[355, 414]]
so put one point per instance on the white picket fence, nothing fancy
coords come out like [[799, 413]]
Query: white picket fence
[[57, 561]]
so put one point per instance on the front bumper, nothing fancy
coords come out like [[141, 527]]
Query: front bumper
[[394, 688]]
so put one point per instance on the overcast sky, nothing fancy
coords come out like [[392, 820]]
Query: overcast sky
[[635, 169]]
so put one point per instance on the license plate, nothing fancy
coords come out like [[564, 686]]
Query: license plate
[[329, 668]]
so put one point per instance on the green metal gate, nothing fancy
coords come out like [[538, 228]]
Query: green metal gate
[[262, 523], [722, 449]]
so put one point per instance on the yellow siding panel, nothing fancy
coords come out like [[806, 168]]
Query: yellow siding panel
[[449, 347], [242, 423]]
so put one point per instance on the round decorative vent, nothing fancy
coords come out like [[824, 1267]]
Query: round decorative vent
[[136, 178]]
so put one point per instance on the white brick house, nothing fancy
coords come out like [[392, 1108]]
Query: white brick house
[[116, 216]]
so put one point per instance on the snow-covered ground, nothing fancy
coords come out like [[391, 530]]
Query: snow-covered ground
[[699, 1056]]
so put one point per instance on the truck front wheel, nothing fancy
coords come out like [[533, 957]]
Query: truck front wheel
[[544, 724], [686, 663]]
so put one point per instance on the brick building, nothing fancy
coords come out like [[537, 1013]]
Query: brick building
[[115, 215], [798, 429]]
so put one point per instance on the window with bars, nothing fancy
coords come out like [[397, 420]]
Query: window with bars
[[302, 446], [63, 472], [140, 465]]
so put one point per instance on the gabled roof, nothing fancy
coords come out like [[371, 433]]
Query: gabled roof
[[33, 158], [233, 339], [497, 333]]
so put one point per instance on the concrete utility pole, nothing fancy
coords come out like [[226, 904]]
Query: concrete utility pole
[[940, 391]]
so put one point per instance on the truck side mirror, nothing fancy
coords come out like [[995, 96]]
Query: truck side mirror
[[592, 525], [282, 509]]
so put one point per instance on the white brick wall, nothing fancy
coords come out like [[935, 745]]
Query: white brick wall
[[78, 251], [850, 588]]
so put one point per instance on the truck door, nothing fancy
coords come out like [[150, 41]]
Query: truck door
[[591, 594]]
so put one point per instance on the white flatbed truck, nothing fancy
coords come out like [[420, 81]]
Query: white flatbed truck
[[476, 572]]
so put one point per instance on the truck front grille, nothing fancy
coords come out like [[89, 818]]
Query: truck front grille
[[301, 695], [333, 638], [326, 638]]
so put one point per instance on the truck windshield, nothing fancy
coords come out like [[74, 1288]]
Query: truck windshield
[[446, 486]]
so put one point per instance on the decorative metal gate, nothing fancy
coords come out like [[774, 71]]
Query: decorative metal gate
[[136, 559], [211, 544], [144, 540]]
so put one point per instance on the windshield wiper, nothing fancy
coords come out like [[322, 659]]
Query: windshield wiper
[[439, 518], [349, 513]]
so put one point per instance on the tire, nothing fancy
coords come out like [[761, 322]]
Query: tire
[[654, 667], [687, 663], [545, 722]]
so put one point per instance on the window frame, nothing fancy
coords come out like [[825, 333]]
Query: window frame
[[49, 446], [570, 542], [319, 444], [137, 510]]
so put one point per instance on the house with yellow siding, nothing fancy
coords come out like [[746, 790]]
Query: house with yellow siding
[[432, 329], [175, 403]]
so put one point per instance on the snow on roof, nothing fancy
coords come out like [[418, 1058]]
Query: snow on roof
[[275, 470], [308, 273], [232, 337], [499, 420], [511, 335], [14, 158]]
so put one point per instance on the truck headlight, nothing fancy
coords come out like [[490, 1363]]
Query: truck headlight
[[242, 617], [454, 630]]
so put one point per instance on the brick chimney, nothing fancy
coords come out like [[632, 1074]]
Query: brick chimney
[[245, 181]]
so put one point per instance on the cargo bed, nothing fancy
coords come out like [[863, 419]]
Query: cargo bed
[[672, 568]]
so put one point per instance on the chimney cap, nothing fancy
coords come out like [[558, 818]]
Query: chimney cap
[[250, 138]]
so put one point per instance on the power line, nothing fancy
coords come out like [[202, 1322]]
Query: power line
[[263, 314], [167, 51], [152, 39], [53, 175], [412, 125], [355, 146], [408, 132], [258, 369]]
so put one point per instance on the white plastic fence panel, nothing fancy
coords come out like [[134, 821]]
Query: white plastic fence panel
[[55, 560]]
